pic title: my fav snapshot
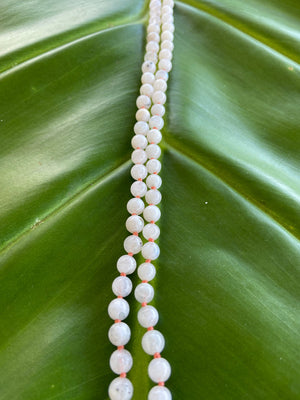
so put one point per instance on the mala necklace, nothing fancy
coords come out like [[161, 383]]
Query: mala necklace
[[145, 143]]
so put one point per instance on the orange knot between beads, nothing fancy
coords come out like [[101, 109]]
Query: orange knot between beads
[[123, 375], [120, 297], [144, 281], [120, 347], [122, 274], [161, 383], [131, 254], [150, 328], [151, 240], [117, 321], [157, 355], [148, 261], [144, 304]]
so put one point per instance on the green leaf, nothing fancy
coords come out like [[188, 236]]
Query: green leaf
[[228, 282]]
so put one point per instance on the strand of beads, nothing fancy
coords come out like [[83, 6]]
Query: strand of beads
[[119, 334], [153, 341]]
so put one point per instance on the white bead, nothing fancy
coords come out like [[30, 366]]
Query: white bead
[[120, 361], [153, 196], [138, 171], [154, 19], [159, 370], [151, 213], [126, 264], [153, 28], [160, 74], [134, 223], [155, 3], [167, 44], [165, 53], [150, 251], [146, 272], [155, 11], [160, 84], [159, 97], [142, 115], [167, 18], [147, 316], [167, 35], [120, 389], [166, 9], [147, 90], [149, 56], [153, 342], [168, 27], [153, 151], [139, 141], [159, 393], [118, 309], [141, 128], [156, 122], [119, 333], [135, 206], [153, 166], [148, 77], [139, 156], [153, 36], [151, 231], [144, 293], [148, 66], [169, 3], [143, 101], [133, 244], [154, 136], [138, 189], [122, 286], [152, 46], [153, 181], [158, 109], [165, 65]]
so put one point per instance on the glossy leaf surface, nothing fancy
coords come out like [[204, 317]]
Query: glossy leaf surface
[[228, 283]]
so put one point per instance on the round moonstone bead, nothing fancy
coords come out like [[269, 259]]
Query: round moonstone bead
[[160, 74], [156, 122], [153, 166], [141, 128], [160, 84], [159, 393], [134, 224], [165, 53], [159, 97], [167, 44], [154, 19], [152, 46], [159, 370], [144, 293], [122, 286], [151, 231], [166, 65], [153, 196], [146, 272], [148, 78], [158, 109], [155, 3], [143, 101], [139, 141], [151, 57], [133, 244], [138, 189], [138, 156], [142, 115], [154, 136], [147, 316], [153, 28], [167, 18], [148, 66], [166, 9], [135, 206], [153, 181], [120, 361], [138, 171], [120, 389], [167, 35], [168, 27], [153, 36], [151, 213], [153, 151], [169, 3], [147, 90], [150, 251], [118, 309], [153, 342], [119, 333], [126, 264]]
